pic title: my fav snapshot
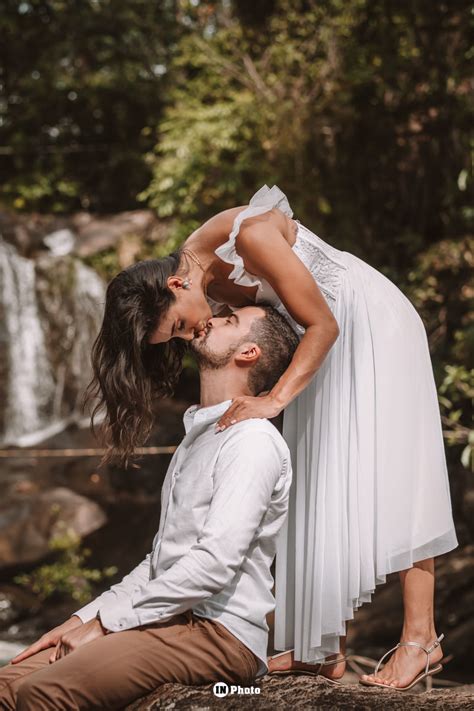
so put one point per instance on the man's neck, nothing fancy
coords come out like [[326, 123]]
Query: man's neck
[[219, 385]]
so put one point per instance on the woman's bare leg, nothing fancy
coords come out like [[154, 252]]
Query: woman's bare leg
[[418, 602]]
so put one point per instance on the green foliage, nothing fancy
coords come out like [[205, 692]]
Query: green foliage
[[358, 110], [440, 286], [104, 263], [67, 576], [456, 399], [82, 83]]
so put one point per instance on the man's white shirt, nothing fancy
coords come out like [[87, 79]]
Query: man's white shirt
[[223, 502]]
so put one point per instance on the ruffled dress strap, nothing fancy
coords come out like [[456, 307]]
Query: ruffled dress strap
[[264, 200]]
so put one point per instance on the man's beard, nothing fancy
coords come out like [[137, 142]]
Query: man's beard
[[206, 359]]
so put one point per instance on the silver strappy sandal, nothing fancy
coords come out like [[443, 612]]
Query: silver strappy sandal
[[429, 671], [318, 666]]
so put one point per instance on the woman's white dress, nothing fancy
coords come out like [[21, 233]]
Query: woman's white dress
[[370, 492]]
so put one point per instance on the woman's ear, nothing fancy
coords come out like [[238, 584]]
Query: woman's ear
[[176, 282]]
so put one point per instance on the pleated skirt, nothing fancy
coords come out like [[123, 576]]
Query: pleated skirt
[[370, 492]]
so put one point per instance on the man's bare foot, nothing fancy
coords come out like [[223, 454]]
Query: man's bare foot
[[406, 663], [287, 662]]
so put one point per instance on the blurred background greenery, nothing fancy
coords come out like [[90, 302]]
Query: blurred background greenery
[[359, 110]]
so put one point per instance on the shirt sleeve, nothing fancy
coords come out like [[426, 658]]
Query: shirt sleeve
[[137, 577], [247, 470], [118, 592]]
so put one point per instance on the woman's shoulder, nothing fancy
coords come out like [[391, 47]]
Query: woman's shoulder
[[266, 205], [219, 224]]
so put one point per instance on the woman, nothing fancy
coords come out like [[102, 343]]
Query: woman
[[370, 494]]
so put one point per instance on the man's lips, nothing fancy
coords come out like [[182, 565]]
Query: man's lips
[[203, 331]]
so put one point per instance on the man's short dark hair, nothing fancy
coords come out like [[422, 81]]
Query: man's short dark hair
[[277, 342]]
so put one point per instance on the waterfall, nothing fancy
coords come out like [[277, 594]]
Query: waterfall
[[50, 313]]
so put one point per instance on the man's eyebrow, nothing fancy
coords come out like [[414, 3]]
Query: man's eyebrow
[[235, 316]]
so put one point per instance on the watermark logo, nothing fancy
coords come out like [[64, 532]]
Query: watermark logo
[[221, 689]]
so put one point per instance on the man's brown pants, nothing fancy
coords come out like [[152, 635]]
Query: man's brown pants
[[114, 670]]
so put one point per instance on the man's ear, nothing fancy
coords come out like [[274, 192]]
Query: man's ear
[[248, 354]]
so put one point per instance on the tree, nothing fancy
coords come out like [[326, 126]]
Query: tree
[[82, 83]]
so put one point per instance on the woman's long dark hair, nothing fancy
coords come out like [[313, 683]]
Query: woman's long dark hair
[[129, 373]]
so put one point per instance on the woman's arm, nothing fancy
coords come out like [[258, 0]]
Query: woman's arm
[[267, 254]]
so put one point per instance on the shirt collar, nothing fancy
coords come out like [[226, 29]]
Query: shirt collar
[[197, 415]]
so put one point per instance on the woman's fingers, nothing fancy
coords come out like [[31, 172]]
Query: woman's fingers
[[229, 416]]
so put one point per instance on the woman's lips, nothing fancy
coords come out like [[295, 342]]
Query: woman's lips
[[201, 331]]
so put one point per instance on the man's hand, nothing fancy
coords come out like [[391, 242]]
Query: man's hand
[[49, 639], [74, 638]]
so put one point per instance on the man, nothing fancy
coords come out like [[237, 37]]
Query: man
[[194, 611]]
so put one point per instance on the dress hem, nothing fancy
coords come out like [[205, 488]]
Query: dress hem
[[438, 546]]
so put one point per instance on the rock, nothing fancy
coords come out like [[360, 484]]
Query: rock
[[8, 650], [61, 242], [28, 521], [26, 231], [16, 604], [304, 692], [88, 233], [51, 310], [98, 233]]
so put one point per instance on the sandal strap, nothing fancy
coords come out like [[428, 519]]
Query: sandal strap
[[413, 644], [332, 662], [435, 643], [385, 655]]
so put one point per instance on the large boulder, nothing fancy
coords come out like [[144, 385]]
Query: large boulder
[[30, 519], [86, 233]]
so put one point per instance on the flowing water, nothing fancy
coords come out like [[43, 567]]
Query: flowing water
[[50, 312]]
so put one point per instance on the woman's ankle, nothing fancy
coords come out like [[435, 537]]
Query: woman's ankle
[[423, 634]]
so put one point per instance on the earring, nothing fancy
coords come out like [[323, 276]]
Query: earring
[[186, 284]]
